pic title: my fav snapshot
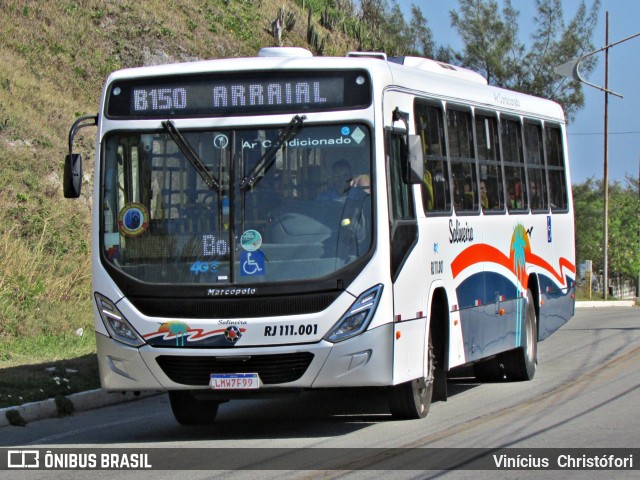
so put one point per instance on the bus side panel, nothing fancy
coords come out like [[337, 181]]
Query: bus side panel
[[489, 293], [409, 350], [487, 332]]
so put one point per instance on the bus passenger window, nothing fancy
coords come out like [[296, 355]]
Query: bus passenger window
[[514, 165], [555, 168], [535, 167], [463, 165], [488, 154], [435, 187]]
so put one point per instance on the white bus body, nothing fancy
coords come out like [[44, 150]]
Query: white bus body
[[222, 264]]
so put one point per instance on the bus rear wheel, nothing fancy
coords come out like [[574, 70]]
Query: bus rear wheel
[[189, 410], [412, 400], [520, 364]]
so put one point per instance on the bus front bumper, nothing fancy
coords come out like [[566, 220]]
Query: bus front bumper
[[363, 361]]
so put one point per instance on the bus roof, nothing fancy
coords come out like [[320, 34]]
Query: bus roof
[[421, 76]]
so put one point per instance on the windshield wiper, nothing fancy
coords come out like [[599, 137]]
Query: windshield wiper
[[269, 157], [191, 155]]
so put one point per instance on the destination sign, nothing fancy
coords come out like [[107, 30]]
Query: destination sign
[[234, 94]]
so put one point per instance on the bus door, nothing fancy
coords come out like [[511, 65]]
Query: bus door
[[406, 267]]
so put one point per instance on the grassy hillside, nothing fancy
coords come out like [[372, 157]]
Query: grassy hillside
[[54, 57]]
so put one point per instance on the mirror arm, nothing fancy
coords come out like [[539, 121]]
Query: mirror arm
[[85, 121], [398, 114]]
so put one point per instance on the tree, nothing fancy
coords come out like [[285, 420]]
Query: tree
[[624, 258], [493, 48], [420, 37], [490, 39], [588, 207], [386, 25], [624, 222]]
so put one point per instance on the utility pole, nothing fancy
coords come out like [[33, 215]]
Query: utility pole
[[571, 69], [605, 240]]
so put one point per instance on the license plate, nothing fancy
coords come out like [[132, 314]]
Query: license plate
[[234, 381]]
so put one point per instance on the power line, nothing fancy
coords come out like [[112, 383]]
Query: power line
[[610, 133]]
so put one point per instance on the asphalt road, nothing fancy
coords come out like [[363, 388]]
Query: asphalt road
[[586, 394]]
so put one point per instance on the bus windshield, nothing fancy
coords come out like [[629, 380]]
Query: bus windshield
[[236, 206]]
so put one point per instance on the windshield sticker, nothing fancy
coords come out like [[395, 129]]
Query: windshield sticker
[[326, 141], [204, 267], [251, 240], [221, 141], [252, 263], [133, 219], [358, 135]]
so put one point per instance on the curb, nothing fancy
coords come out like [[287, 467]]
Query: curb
[[81, 401]]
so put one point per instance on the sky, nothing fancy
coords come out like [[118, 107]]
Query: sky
[[586, 132]]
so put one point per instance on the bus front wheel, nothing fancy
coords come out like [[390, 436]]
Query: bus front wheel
[[412, 400]]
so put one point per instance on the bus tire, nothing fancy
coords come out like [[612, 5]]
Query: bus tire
[[188, 410], [520, 364], [412, 399]]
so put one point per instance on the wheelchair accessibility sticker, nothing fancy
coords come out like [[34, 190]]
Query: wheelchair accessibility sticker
[[251, 263]]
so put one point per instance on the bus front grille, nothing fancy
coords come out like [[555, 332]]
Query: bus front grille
[[272, 369], [234, 307]]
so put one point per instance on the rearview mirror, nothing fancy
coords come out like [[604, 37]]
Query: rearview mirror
[[414, 166], [72, 181]]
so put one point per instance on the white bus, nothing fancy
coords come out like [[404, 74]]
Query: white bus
[[285, 222]]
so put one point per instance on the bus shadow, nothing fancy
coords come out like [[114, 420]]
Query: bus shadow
[[308, 415], [316, 414]]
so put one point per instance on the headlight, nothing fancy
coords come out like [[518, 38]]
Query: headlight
[[357, 318], [118, 326]]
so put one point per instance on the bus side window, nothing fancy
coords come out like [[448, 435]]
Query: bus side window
[[535, 167], [463, 165], [488, 153], [555, 168], [514, 165], [435, 187]]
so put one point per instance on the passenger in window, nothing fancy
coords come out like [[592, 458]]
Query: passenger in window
[[440, 190], [339, 181], [484, 199], [514, 201]]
